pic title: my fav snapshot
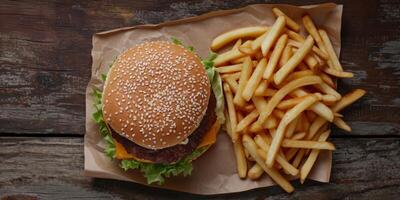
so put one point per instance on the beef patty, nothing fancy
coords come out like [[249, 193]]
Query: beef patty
[[177, 152]]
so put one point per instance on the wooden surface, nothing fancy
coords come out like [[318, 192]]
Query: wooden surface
[[45, 66]]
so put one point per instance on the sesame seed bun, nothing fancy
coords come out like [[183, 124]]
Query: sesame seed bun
[[156, 94]]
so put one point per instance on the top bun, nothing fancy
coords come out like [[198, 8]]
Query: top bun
[[156, 94]]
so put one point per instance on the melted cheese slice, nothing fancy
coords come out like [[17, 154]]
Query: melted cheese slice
[[208, 139]]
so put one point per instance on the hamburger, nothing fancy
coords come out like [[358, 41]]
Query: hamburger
[[160, 108]]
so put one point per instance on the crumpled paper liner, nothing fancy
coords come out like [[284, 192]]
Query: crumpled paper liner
[[215, 171]]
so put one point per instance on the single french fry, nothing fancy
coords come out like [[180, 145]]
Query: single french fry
[[237, 44], [254, 80], [338, 115], [310, 27], [306, 144], [228, 56], [235, 76], [327, 79], [249, 144], [348, 99], [289, 22], [295, 36], [233, 84], [299, 157], [293, 61], [289, 103], [340, 123], [272, 35], [315, 126], [247, 50], [340, 74], [276, 54], [230, 36], [291, 128], [286, 54], [309, 163], [241, 162], [244, 77], [255, 172], [274, 101], [229, 68], [245, 122], [280, 132], [231, 111], [228, 125], [330, 50], [299, 136], [329, 99]]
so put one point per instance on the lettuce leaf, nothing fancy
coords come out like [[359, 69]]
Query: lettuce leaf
[[216, 86], [156, 173]]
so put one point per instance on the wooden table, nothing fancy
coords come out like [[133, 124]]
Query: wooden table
[[45, 66]]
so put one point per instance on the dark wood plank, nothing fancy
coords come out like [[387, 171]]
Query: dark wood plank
[[51, 168], [45, 58]]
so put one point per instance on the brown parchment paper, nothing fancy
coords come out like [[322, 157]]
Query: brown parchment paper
[[215, 171]]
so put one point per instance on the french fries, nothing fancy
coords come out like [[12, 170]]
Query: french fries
[[251, 147], [280, 91], [280, 132]]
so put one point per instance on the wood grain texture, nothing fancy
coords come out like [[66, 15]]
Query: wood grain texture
[[51, 168], [45, 58]]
